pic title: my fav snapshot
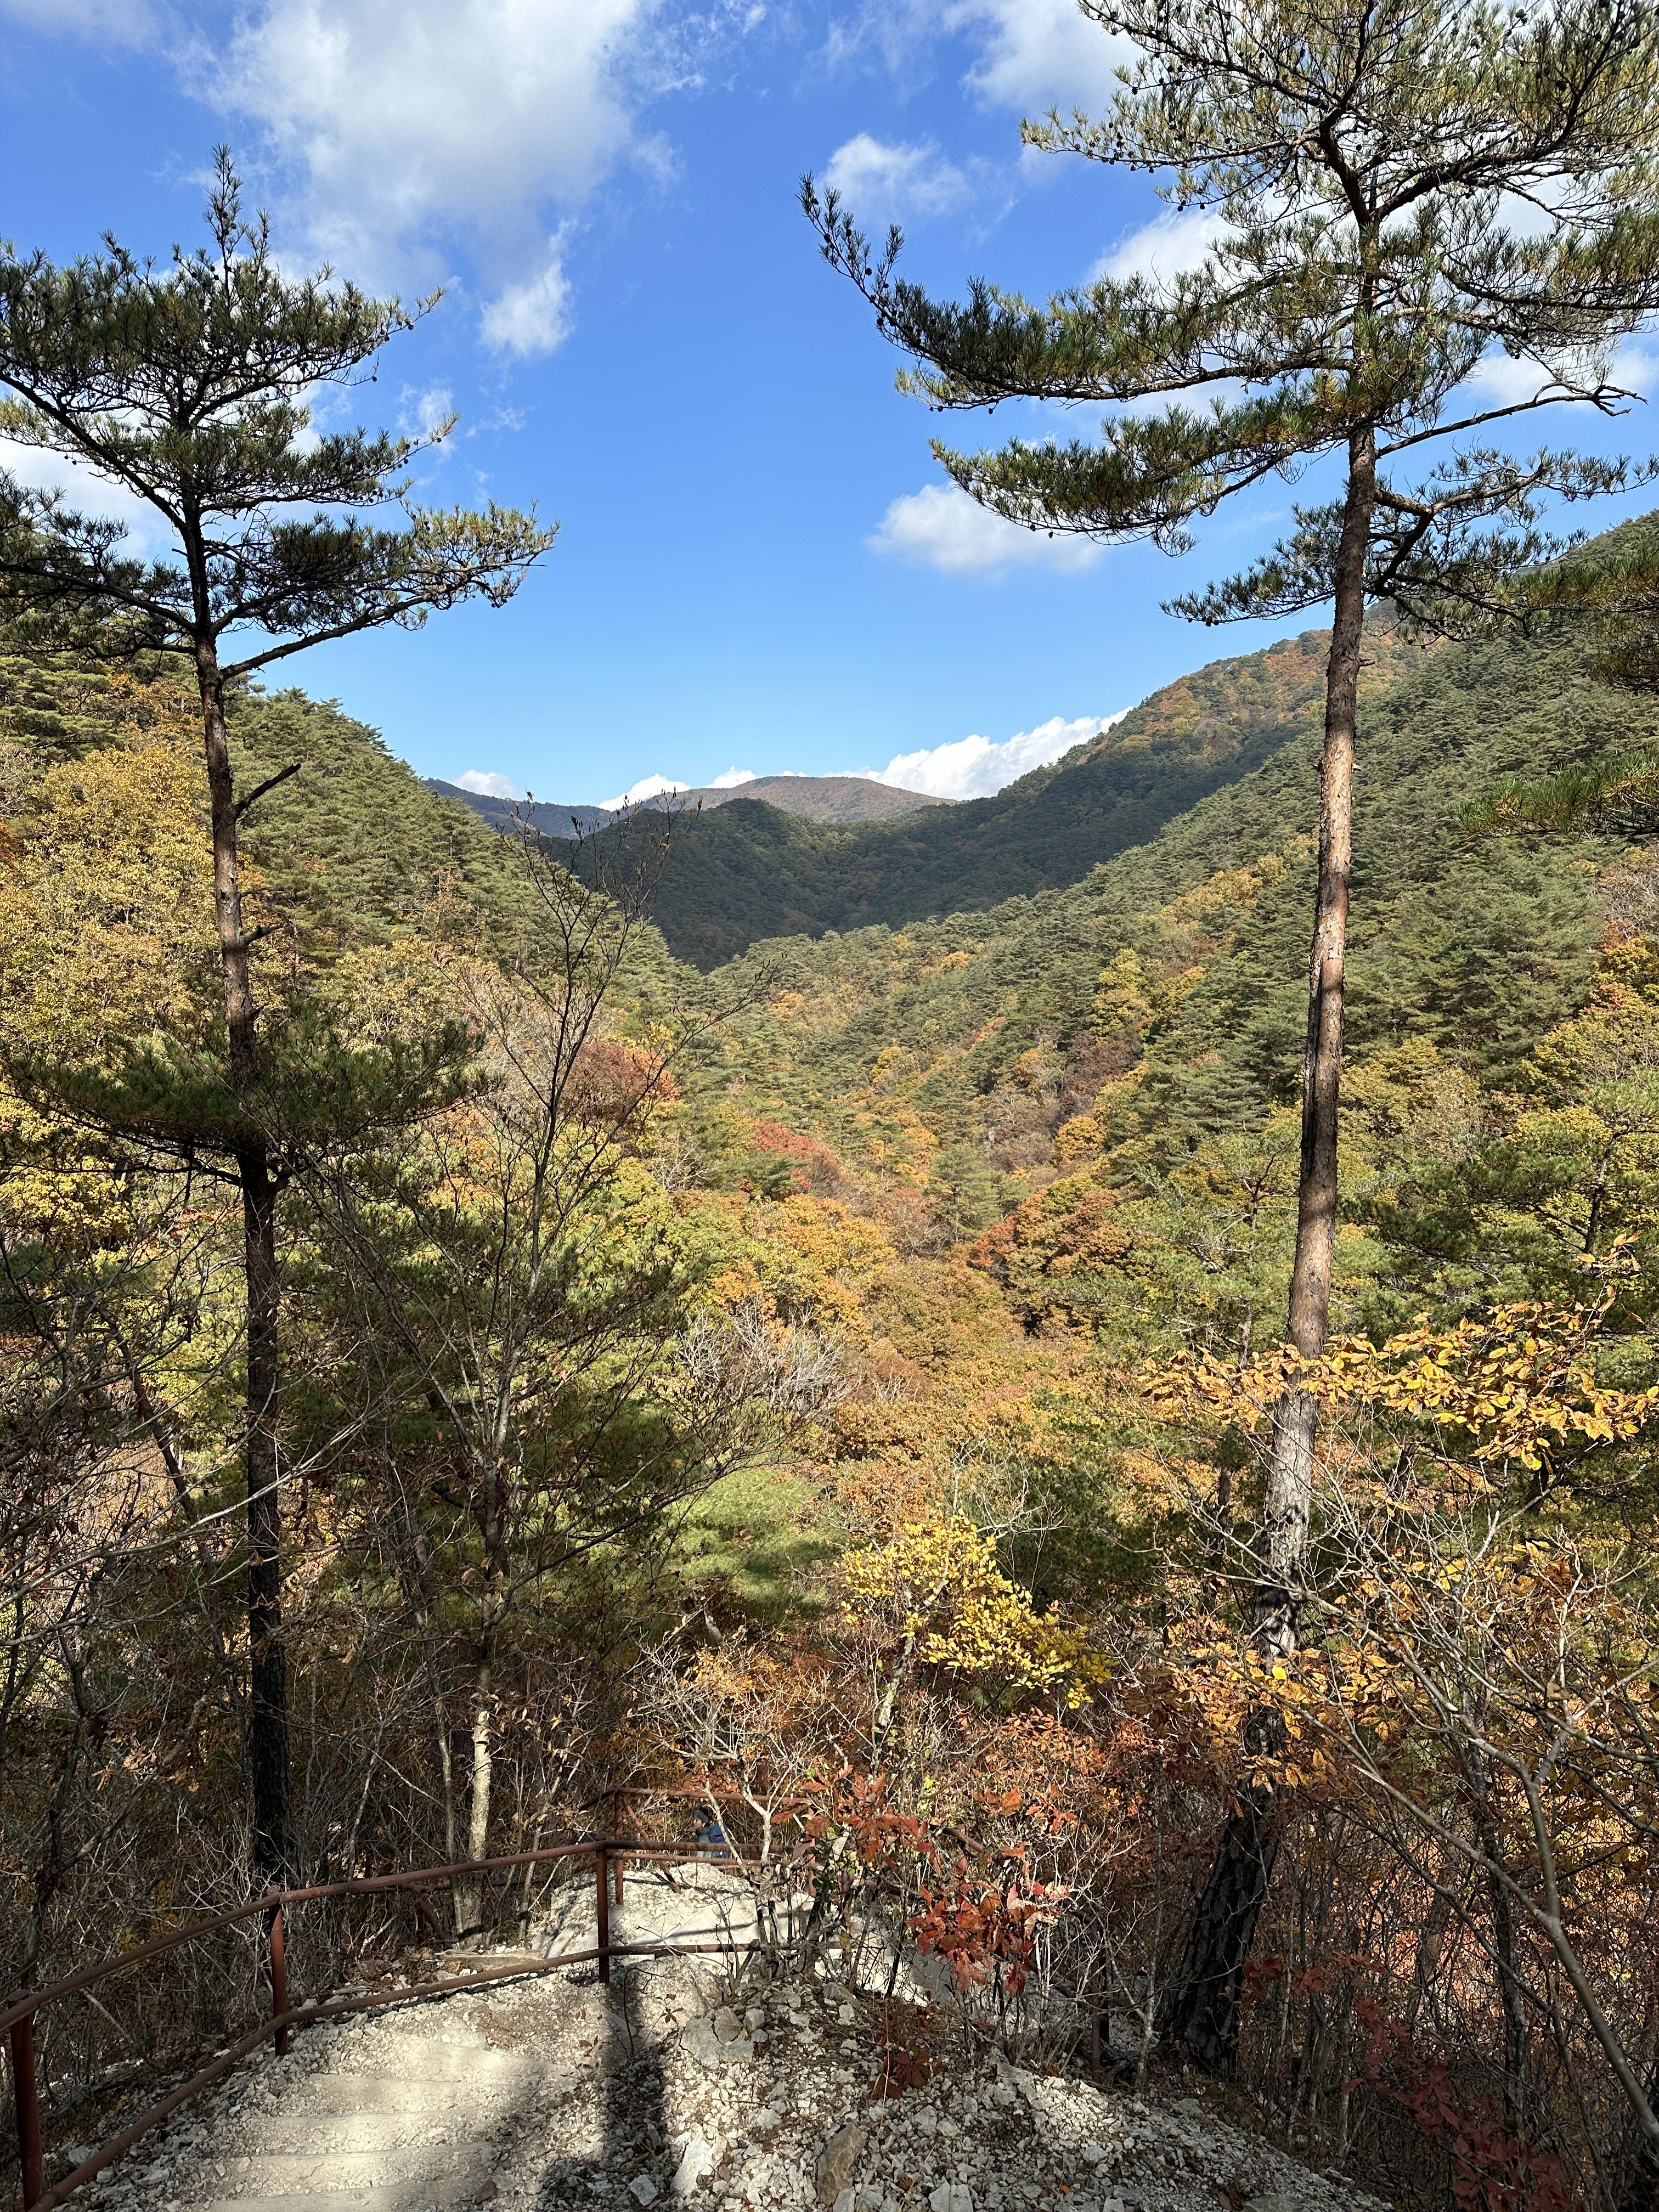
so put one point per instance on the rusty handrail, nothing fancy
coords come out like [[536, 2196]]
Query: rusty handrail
[[302, 2015], [17, 2019], [272, 1900]]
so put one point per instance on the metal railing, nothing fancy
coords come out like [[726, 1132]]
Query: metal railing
[[609, 1852]]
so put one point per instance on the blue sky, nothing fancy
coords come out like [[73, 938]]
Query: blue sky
[[759, 565]]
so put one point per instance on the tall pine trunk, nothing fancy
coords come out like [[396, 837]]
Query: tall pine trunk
[[269, 1776], [1202, 2019]]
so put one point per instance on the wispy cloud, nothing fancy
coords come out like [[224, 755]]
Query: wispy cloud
[[532, 316], [1175, 239], [1028, 54], [117, 23], [88, 493], [884, 183], [406, 126], [941, 527], [420, 413], [488, 783], [978, 768], [1034, 53]]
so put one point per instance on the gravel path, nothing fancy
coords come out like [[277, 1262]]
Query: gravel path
[[553, 2094]]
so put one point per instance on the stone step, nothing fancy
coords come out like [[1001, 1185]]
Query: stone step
[[349, 2126], [378, 2093], [437, 2193], [294, 2173], [416, 2058]]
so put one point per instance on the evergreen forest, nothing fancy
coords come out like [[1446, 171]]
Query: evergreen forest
[[789, 1313], [944, 1252]]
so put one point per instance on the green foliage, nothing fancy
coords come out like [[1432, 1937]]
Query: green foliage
[[355, 849], [745, 870], [965, 1193], [193, 385], [745, 1545], [1608, 593], [1361, 163]]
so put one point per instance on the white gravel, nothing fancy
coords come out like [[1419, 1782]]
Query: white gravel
[[552, 2095]]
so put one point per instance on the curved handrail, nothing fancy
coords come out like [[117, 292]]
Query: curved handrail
[[302, 2015], [26, 2005], [17, 2018]]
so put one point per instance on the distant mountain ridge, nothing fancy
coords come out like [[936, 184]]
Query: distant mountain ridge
[[751, 869], [840, 799]]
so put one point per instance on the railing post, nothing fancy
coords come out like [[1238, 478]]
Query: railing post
[[622, 1831], [27, 2092], [602, 1892], [278, 1978]]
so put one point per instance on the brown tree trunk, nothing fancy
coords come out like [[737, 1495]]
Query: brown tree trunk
[[270, 1775], [1639, 2192], [1202, 2018], [468, 1890], [1511, 1995]]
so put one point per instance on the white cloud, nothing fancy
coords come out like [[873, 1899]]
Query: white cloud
[[147, 533], [653, 787], [1636, 366], [1501, 380], [1030, 55], [530, 317], [1177, 238], [488, 783], [977, 767], [894, 184], [422, 412], [405, 122], [1039, 53], [120, 23], [941, 527], [648, 787]]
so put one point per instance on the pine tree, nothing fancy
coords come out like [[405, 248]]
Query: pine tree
[[1363, 163], [1610, 593], [188, 386]]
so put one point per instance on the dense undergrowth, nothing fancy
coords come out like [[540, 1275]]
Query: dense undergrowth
[[842, 1376]]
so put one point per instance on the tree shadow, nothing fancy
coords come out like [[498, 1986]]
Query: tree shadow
[[620, 2155]]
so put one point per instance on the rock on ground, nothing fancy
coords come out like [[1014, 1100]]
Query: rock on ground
[[553, 2094]]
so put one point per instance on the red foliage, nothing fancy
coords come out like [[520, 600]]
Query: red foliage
[[981, 1929], [858, 1806], [814, 1167], [612, 1080], [904, 2065], [1493, 2169]]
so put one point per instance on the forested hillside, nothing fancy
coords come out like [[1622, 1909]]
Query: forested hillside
[[876, 1251], [745, 873], [1026, 1428], [1157, 1003]]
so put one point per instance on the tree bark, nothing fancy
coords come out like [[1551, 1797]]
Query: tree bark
[[269, 1772], [1286, 1505], [1640, 2190], [1202, 2020], [1511, 1995], [468, 1890]]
